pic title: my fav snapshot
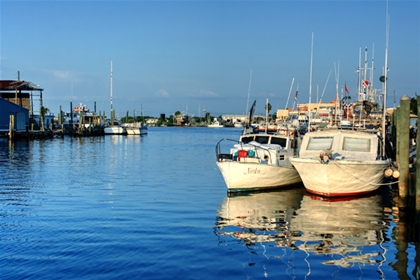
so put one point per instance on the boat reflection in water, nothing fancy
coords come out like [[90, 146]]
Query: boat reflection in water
[[310, 234], [262, 216]]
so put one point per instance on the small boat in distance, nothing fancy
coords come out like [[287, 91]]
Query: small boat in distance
[[216, 123], [137, 128], [335, 163], [115, 128]]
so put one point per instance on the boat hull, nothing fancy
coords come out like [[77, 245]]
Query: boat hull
[[138, 128], [340, 177], [241, 176], [133, 131], [115, 130], [136, 131]]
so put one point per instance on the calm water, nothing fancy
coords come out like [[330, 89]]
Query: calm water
[[156, 207]]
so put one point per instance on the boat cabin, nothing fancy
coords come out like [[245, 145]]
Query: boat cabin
[[341, 144]]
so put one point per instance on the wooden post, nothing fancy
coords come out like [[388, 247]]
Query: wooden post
[[404, 143], [81, 121], [11, 127], [60, 116], [41, 119], [71, 117]]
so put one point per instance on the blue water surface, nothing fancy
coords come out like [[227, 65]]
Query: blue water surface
[[156, 207]]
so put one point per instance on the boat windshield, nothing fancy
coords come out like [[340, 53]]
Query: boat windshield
[[262, 139], [279, 141], [247, 139], [320, 143], [356, 144]]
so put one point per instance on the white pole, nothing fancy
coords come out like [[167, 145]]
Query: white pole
[[266, 115], [310, 84], [290, 90], [385, 83], [249, 90], [111, 85]]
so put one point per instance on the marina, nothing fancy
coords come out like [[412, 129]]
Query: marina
[[106, 207], [320, 181]]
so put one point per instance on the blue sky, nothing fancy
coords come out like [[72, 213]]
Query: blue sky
[[192, 56]]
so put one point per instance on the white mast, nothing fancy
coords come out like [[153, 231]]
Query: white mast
[[266, 115], [359, 89], [111, 85], [385, 82], [249, 90], [337, 73], [310, 84], [290, 90]]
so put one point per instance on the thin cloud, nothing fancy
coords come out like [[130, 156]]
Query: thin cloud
[[208, 93], [162, 93], [61, 74]]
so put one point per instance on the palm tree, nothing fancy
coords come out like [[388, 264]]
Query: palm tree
[[43, 112], [268, 107]]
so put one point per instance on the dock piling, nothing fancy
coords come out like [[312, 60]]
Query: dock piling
[[403, 130]]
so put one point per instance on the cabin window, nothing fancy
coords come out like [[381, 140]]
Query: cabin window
[[356, 144], [248, 139], [262, 139], [320, 143], [279, 141]]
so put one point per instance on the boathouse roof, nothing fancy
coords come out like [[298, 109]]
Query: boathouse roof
[[8, 85]]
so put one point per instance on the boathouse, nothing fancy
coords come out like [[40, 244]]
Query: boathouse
[[17, 98], [20, 114]]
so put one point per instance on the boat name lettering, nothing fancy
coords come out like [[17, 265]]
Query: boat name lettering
[[253, 171]]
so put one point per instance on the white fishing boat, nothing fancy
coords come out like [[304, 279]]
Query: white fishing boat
[[216, 123], [238, 124], [137, 128], [340, 162], [116, 128], [258, 161], [80, 116]]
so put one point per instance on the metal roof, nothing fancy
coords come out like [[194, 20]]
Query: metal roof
[[7, 85]]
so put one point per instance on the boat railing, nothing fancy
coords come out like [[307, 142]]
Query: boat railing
[[245, 151]]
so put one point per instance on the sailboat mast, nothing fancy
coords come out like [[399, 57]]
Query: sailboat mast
[[310, 85], [290, 91], [249, 90], [385, 84], [266, 115], [111, 85]]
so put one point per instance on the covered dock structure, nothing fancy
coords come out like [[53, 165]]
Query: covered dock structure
[[18, 99]]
